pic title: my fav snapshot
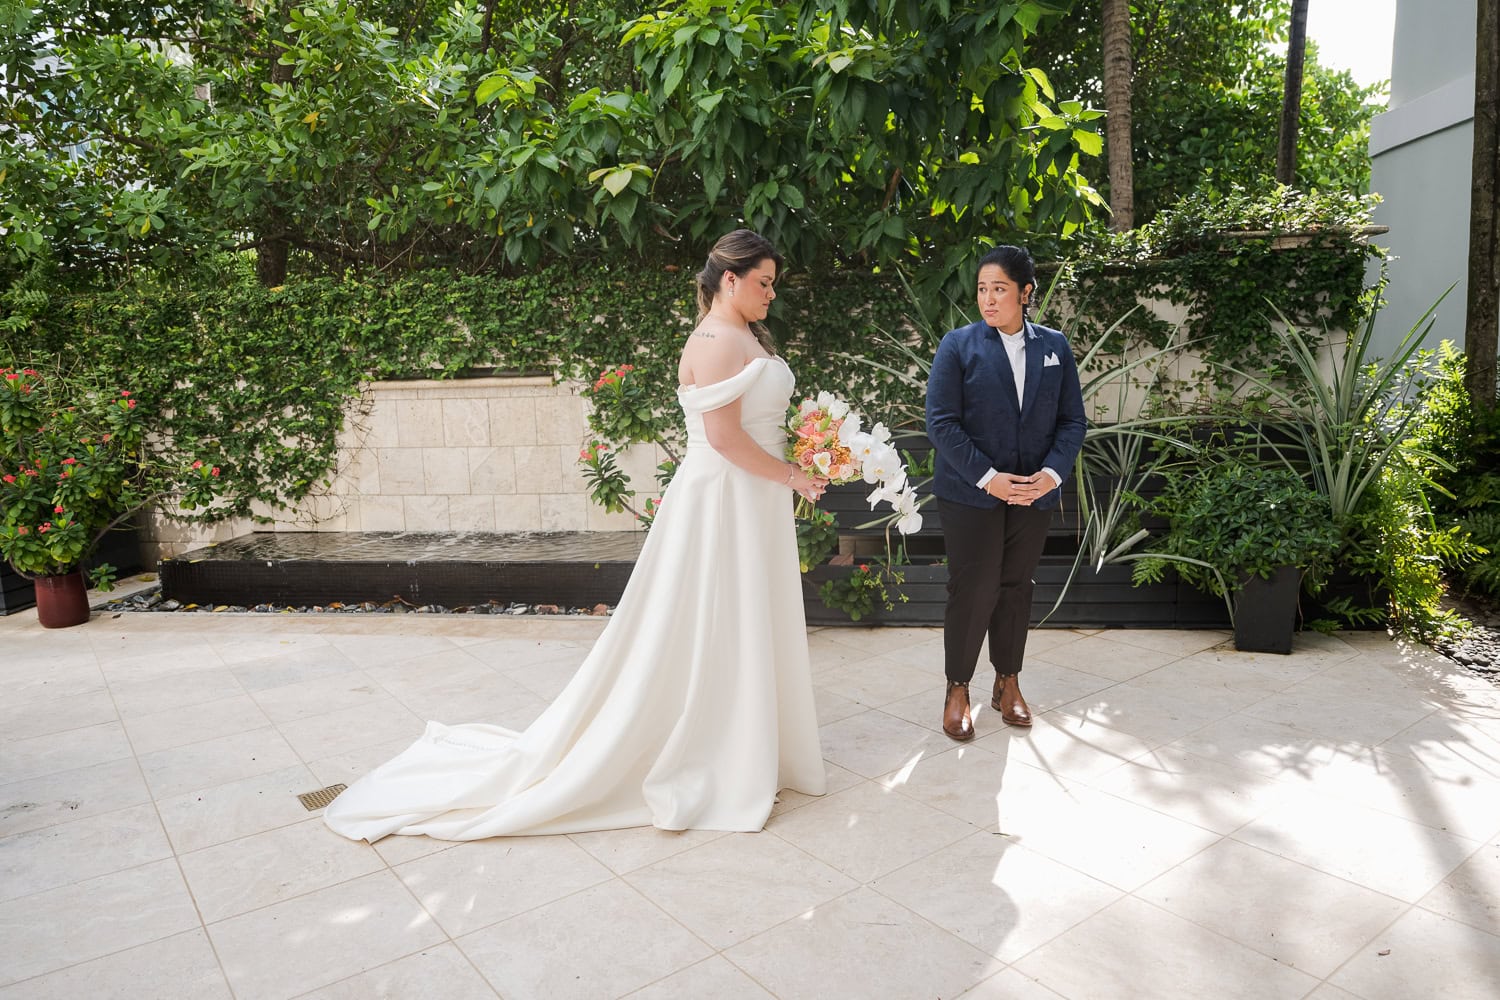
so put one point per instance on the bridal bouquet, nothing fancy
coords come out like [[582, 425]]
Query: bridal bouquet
[[829, 439]]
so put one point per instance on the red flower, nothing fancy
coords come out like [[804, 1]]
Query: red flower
[[58, 509], [23, 530], [29, 472], [28, 371], [214, 471], [197, 465], [107, 437], [864, 567], [11, 377], [125, 393], [132, 404], [70, 461], [9, 478], [44, 528]]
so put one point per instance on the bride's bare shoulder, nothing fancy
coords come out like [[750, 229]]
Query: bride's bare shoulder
[[712, 352]]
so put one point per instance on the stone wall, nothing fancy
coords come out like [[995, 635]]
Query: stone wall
[[485, 454]]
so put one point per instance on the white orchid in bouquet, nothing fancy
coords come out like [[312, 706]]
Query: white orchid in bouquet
[[829, 439]]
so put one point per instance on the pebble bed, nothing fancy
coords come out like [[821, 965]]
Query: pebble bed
[[1479, 650], [151, 600]]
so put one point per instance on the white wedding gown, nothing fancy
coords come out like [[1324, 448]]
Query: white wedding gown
[[693, 708]]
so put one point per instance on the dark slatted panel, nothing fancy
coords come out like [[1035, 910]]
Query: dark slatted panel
[[16, 594]]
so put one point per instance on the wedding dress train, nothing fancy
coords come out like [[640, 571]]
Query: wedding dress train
[[693, 708]]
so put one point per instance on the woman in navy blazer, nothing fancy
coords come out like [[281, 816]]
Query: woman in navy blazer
[[1005, 416]]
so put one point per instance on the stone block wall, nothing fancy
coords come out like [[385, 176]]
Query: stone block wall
[[485, 454]]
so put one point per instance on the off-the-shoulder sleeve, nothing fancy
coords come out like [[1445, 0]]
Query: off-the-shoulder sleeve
[[702, 399]]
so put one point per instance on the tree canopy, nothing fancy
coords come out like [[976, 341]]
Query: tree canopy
[[495, 135]]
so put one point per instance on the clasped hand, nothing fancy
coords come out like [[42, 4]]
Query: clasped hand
[[811, 487], [1019, 490]]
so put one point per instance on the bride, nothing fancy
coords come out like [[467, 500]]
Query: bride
[[695, 706]]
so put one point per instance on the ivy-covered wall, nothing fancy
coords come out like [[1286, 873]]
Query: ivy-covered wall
[[259, 380]]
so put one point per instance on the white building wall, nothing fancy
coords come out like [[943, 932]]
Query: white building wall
[[1422, 151]]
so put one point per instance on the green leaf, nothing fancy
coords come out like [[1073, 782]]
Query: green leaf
[[1090, 142], [489, 88], [618, 180], [673, 79]]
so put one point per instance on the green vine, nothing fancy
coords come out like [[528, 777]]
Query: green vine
[[1221, 258], [858, 594]]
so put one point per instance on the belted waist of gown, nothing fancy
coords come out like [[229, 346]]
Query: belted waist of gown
[[771, 437]]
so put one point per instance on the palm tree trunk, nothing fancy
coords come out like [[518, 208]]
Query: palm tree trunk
[[1291, 97], [1482, 326], [1116, 46]]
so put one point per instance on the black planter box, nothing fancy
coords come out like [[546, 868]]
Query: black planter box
[[16, 594], [1265, 612], [925, 589], [1359, 591], [1104, 599]]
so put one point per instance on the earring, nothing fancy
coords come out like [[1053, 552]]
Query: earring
[[731, 291]]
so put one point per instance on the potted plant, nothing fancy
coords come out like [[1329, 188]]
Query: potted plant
[[1249, 533], [75, 463]]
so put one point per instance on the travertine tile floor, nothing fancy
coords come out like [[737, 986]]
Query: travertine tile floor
[[1183, 821]]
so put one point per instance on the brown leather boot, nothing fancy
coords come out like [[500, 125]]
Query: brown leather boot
[[956, 721], [1008, 701]]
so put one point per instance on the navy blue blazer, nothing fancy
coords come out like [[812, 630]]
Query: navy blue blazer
[[976, 423]]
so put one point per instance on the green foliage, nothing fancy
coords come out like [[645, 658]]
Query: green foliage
[[1344, 429], [1394, 538], [1206, 99], [609, 487], [622, 408], [858, 593], [75, 461], [386, 136], [881, 132], [817, 538], [1233, 520], [622, 411], [1221, 257], [1467, 492]]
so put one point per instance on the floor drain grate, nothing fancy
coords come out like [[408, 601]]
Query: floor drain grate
[[320, 798]]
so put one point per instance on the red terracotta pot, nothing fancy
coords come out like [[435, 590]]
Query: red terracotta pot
[[62, 601]]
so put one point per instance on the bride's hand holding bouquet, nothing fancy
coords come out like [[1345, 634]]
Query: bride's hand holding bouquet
[[829, 440]]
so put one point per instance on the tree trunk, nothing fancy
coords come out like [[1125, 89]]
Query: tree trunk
[[271, 257], [1482, 323], [489, 18], [1116, 45], [1291, 97]]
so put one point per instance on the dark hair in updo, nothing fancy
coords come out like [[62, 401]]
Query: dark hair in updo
[[737, 253], [1018, 267]]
